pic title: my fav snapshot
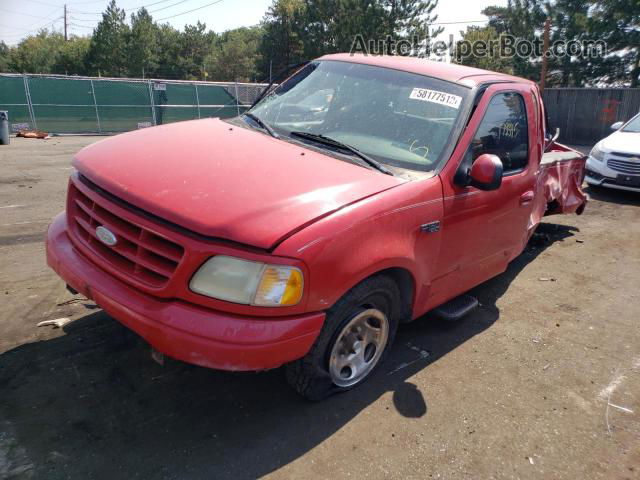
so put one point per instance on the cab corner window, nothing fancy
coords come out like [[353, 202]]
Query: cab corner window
[[504, 132]]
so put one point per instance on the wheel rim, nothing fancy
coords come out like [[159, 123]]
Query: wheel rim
[[359, 347]]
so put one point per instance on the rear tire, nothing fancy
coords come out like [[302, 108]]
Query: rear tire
[[355, 338]]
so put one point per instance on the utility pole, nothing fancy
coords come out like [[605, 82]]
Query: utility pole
[[65, 22], [545, 50]]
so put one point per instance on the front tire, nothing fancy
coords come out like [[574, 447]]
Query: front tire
[[355, 338]]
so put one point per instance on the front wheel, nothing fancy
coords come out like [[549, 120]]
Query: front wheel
[[355, 338]]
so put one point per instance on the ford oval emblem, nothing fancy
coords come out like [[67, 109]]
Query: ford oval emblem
[[106, 236]]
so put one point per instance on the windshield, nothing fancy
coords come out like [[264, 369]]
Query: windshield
[[397, 118], [633, 126]]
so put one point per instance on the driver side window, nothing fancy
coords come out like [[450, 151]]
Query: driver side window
[[504, 132]]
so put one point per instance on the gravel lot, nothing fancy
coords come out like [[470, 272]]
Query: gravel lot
[[543, 381]]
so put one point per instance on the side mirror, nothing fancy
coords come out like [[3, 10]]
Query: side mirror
[[617, 126], [486, 172]]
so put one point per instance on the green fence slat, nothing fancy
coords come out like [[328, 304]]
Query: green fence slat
[[175, 114], [12, 90], [59, 91], [13, 99], [110, 92], [177, 94], [221, 112], [70, 105], [215, 95], [66, 119], [17, 114], [123, 119]]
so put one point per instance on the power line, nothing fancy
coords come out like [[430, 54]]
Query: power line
[[29, 32], [30, 28], [81, 26], [20, 29], [45, 3], [135, 8], [95, 14], [85, 20], [459, 23], [189, 11], [169, 6], [151, 5], [29, 15], [88, 3]]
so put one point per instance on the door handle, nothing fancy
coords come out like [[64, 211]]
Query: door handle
[[526, 197]]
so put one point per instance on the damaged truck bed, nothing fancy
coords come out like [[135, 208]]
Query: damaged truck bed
[[560, 181]]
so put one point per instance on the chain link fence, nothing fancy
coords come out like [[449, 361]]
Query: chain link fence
[[61, 104]]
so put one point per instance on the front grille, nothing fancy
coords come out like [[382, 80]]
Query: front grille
[[625, 155], [624, 166], [139, 253]]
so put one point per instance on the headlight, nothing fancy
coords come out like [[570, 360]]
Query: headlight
[[597, 154], [250, 283]]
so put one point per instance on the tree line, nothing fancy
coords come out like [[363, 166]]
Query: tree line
[[296, 30], [615, 22], [292, 30]]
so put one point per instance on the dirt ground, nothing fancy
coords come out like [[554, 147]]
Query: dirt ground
[[543, 381]]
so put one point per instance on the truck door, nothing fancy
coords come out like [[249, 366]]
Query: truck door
[[483, 230]]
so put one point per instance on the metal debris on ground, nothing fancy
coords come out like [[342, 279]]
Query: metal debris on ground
[[57, 323], [73, 300], [157, 356], [422, 354], [33, 134]]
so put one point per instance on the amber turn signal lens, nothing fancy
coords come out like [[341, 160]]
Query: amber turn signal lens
[[279, 286]]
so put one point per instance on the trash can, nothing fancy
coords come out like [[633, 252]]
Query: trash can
[[4, 127]]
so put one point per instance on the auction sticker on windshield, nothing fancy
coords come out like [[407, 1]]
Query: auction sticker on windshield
[[434, 96]]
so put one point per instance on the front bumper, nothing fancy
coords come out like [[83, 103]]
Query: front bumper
[[600, 175], [181, 330]]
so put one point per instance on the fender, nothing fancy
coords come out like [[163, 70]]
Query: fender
[[379, 233]]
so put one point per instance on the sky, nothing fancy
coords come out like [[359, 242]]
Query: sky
[[19, 18]]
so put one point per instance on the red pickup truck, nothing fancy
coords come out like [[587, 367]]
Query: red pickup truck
[[360, 193]]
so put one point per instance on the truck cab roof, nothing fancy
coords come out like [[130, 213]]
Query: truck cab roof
[[451, 72]]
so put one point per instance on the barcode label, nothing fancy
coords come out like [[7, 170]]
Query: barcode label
[[433, 96]]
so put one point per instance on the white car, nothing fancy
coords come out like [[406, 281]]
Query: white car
[[614, 162]]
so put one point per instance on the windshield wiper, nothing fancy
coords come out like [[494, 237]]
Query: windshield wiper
[[316, 137], [262, 124]]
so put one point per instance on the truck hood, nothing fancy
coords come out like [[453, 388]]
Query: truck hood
[[225, 181]]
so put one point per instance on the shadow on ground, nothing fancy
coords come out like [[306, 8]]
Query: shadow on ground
[[611, 195], [91, 403]]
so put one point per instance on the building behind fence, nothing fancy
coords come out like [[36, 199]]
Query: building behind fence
[[61, 104], [585, 115]]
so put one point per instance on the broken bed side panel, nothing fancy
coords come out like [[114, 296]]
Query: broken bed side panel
[[559, 184]]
